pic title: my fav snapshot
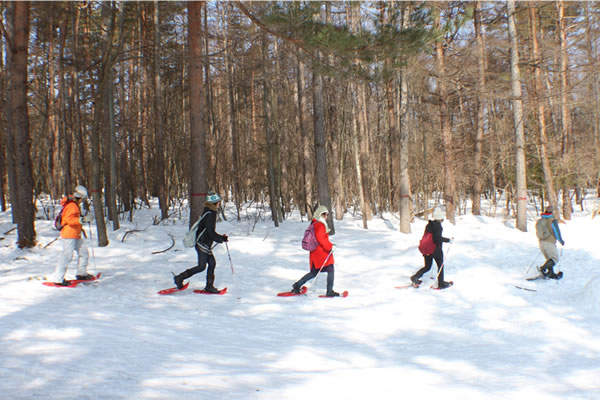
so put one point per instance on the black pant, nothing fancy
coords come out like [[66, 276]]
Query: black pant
[[203, 259], [314, 271], [438, 256]]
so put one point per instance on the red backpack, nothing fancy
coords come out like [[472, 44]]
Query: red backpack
[[426, 245]]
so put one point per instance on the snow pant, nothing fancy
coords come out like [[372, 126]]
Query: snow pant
[[203, 260], [549, 251], [70, 246], [438, 256], [314, 271]]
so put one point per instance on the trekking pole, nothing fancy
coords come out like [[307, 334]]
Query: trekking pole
[[317, 276], [442, 266], [92, 247], [230, 262], [531, 265]]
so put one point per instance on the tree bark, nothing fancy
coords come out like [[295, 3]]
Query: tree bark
[[480, 121], [22, 191], [199, 185], [564, 106], [159, 135], [541, 110], [517, 103]]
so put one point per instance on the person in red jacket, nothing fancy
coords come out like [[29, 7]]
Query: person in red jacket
[[70, 235], [321, 258]]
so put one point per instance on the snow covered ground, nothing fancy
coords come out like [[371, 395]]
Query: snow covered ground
[[481, 339]]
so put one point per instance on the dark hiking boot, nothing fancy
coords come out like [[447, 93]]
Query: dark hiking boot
[[296, 288], [63, 283], [444, 285], [546, 269], [86, 277], [211, 289], [416, 281], [552, 275], [178, 279], [331, 293]]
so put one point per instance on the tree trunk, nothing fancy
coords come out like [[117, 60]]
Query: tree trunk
[[22, 195], [405, 194], [480, 122], [267, 106], [322, 172], [564, 105], [159, 135], [517, 103], [307, 164], [446, 128], [541, 110], [199, 185]]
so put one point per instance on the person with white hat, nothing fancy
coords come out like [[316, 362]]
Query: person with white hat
[[205, 236], [321, 258], [71, 228], [435, 228]]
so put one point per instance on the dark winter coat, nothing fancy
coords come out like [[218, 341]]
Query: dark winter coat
[[206, 235], [319, 255], [435, 227]]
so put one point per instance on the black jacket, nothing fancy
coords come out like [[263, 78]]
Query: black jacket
[[206, 234], [435, 227]]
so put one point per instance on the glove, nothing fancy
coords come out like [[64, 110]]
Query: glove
[[225, 238]]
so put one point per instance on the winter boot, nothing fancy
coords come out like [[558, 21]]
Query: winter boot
[[296, 288], [331, 293], [211, 289], [63, 283], [86, 277], [178, 279], [546, 269], [415, 281], [444, 285]]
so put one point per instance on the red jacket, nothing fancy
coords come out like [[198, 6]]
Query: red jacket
[[70, 219], [318, 256]]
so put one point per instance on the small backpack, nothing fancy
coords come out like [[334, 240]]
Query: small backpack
[[542, 230], [309, 241], [190, 238], [426, 245], [58, 225]]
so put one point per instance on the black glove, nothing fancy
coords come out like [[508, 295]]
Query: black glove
[[225, 238]]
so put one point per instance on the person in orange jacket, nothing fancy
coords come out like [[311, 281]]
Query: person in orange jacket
[[321, 257], [71, 239]]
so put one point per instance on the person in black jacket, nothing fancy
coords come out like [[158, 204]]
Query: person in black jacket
[[435, 227], [205, 236]]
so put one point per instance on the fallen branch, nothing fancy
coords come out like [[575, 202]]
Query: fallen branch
[[165, 250], [55, 239]]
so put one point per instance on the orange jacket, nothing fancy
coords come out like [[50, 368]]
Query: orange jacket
[[318, 255], [70, 219]]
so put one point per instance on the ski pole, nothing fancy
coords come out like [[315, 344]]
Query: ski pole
[[230, 262], [317, 276], [443, 263], [531, 265], [92, 246]]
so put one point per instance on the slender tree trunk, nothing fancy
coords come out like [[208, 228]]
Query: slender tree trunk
[[267, 105], [306, 164], [22, 194], [233, 127], [541, 110], [517, 103], [3, 133], [480, 121], [594, 88], [159, 135], [405, 193], [564, 106], [446, 128], [199, 185], [62, 89]]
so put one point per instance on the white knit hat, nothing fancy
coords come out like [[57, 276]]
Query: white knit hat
[[80, 192], [438, 213]]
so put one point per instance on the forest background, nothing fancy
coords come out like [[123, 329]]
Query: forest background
[[362, 106]]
